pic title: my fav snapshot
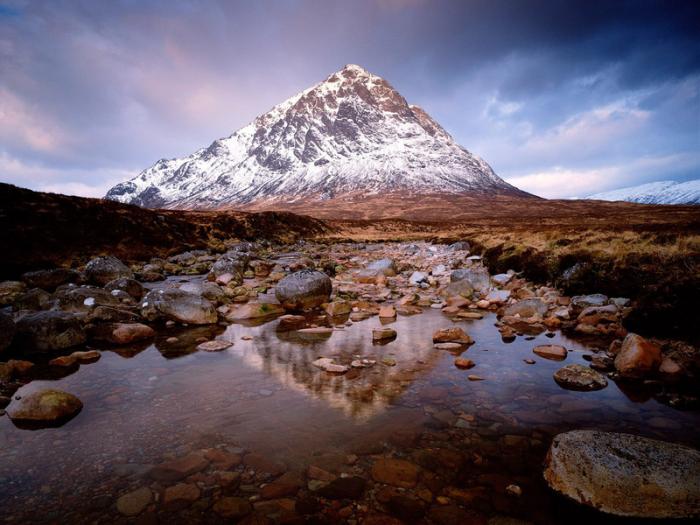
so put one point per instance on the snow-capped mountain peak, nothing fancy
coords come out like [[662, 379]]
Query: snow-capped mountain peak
[[352, 133], [661, 192]]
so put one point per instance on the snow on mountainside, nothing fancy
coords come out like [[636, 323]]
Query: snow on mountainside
[[352, 133], [662, 192]]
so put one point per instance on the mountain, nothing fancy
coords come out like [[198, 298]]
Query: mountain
[[352, 134], [662, 192]]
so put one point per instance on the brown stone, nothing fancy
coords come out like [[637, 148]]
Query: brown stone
[[396, 472], [126, 333], [638, 357], [180, 468], [387, 312], [232, 507], [452, 335], [288, 484], [134, 502], [464, 363], [553, 352], [180, 496]]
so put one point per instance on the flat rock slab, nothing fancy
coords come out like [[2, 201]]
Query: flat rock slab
[[625, 475], [214, 346], [553, 352], [579, 377]]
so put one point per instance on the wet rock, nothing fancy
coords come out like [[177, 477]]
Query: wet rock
[[344, 488], [450, 515], [214, 346], [131, 286], [232, 507], [579, 377], [383, 334], [179, 306], [102, 270], [180, 468], [81, 299], [474, 377], [478, 278], [396, 472], [329, 365], [180, 496], [464, 363], [262, 463], [407, 508], [625, 475], [49, 331], [387, 312], [553, 352], [122, 333], [7, 331], [229, 269], [44, 408], [10, 290], [582, 301], [49, 280], [288, 484], [452, 335], [34, 299], [338, 308], [254, 310], [497, 296], [637, 357], [135, 502], [304, 290], [527, 308]]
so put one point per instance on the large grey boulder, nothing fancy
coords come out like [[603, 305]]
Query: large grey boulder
[[625, 475], [178, 305], [7, 331], [101, 270], [478, 278], [304, 290], [50, 330], [86, 298]]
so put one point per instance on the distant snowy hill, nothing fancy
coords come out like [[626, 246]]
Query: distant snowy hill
[[353, 133], [662, 192]]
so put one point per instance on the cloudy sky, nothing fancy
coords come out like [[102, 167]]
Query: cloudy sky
[[561, 98]]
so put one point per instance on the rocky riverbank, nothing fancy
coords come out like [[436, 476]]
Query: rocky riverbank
[[58, 320]]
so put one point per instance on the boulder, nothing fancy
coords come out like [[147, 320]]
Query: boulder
[[418, 278], [304, 290], [131, 286], [210, 291], [625, 475], [178, 305], [122, 333], [553, 352], [229, 269], [7, 331], [478, 278], [527, 308], [101, 270], [583, 301], [49, 331], [44, 408], [49, 280], [254, 310], [86, 298], [579, 377], [498, 296], [452, 335], [637, 357]]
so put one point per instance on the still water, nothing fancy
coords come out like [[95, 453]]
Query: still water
[[143, 405]]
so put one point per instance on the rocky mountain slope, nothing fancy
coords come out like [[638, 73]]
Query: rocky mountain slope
[[352, 134], [662, 192]]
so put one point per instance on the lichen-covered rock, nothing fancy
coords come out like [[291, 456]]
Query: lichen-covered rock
[[101, 270], [44, 408], [178, 305], [229, 269], [304, 290], [478, 278], [49, 331], [625, 475], [579, 377], [124, 284]]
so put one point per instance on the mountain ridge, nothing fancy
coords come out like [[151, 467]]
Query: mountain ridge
[[352, 132], [659, 192]]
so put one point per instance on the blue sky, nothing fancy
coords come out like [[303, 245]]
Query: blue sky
[[561, 98]]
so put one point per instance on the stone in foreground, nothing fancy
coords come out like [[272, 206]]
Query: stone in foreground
[[44, 408], [638, 357], [625, 475], [304, 290], [579, 377]]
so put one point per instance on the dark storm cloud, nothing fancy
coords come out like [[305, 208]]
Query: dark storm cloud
[[550, 93]]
